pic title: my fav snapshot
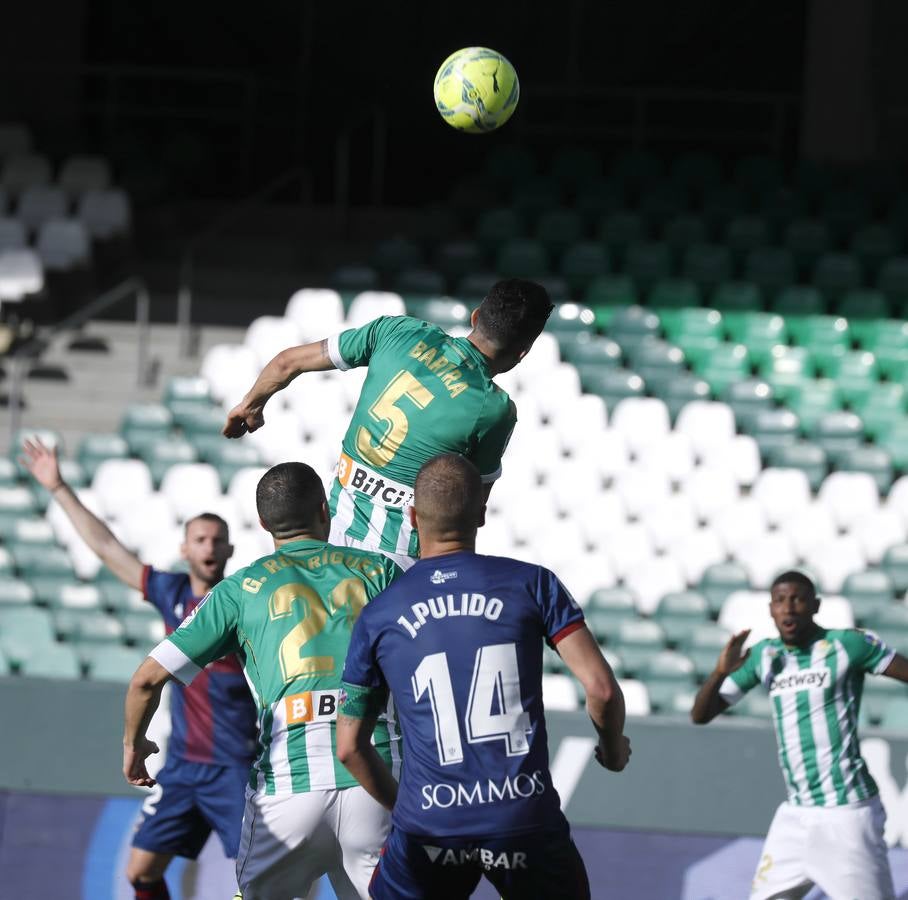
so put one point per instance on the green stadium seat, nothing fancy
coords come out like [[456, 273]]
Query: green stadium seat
[[747, 398], [142, 630], [874, 461], [721, 204], [878, 694], [696, 171], [855, 374], [807, 240], [582, 262], [835, 274], [49, 587], [772, 269], [77, 596], [511, 164], [455, 259], [607, 292], [633, 323], [552, 663], [818, 331], [893, 282], [597, 198], [604, 620], [895, 565], [838, 432], [648, 262], [187, 388], [616, 598], [799, 300], [557, 288], [110, 663], [704, 646], [758, 331], [873, 245], [720, 580], [536, 195], [86, 626], [774, 428], [472, 288], [24, 629], [495, 227], [682, 232], [875, 334], [746, 233], [145, 423], [418, 283], [636, 168], [721, 366], [571, 319], [354, 278], [891, 623], [395, 253], [680, 390], [56, 661], [585, 349], [708, 265], [782, 206], [557, 229], [228, 457], [815, 180], [522, 258], [573, 166], [683, 323], [883, 410], [680, 614], [757, 175], [868, 592], [96, 448], [123, 599], [471, 194], [8, 472], [655, 354], [813, 398], [444, 311], [895, 441], [661, 202], [15, 592], [755, 704], [620, 229], [47, 436], [892, 363], [637, 640], [807, 457], [7, 565], [786, 368], [160, 455], [863, 303], [35, 530], [698, 349], [674, 294], [666, 674], [736, 297], [895, 715], [845, 211], [612, 385], [194, 418], [38, 560]]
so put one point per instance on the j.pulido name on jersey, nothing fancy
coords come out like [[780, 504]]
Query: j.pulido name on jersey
[[448, 606]]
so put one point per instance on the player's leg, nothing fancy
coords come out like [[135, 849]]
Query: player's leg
[[222, 801], [361, 825], [169, 825], [286, 845], [782, 870], [847, 854], [411, 869]]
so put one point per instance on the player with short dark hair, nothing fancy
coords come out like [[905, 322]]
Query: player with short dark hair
[[458, 642], [288, 616], [201, 786], [829, 832], [425, 393]]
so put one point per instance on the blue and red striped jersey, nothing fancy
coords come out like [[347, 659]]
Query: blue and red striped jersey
[[214, 719]]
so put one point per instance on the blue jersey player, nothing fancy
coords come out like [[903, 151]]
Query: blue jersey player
[[201, 787], [458, 642]]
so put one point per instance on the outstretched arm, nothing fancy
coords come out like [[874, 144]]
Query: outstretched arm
[[604, 699], [248, 414], [356, 751], [708, 703], [44, 466], [142, 699], [897, 668]]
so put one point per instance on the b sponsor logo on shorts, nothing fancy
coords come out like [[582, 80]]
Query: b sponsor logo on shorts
[[354, 476], [311, 706], [488, 859], [801, 680], [521, 787]]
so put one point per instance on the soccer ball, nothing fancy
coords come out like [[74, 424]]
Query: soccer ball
[[476, 90]]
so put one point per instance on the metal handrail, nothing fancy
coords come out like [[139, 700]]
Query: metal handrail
[[24, 357], [187, 264]]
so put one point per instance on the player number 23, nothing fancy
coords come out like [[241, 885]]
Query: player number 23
[[495, 685], [392, 418]]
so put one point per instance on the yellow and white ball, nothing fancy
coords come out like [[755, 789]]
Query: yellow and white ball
[[476, 90]]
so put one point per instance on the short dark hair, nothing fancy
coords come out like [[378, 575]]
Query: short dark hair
[[448, 494], [514, 312], [207, 517], [288, 498], [794, 577]]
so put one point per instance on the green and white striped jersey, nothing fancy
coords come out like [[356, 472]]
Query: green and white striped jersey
[[289, 617], [816, 695], [425, 393]]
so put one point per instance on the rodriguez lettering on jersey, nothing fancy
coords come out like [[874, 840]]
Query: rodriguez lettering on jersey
[[449, 606]]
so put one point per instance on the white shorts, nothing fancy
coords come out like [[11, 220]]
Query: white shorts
[[338, 537], [291, 840], [839, 849]]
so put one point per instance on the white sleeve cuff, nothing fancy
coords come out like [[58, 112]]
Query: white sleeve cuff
[[730, 692], [335, 354], [883, 664], [175, 661], [492, 476]]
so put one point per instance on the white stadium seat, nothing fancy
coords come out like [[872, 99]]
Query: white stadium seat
[[765, 557], [641, 421], [558, 692], [609, 457], [369, 305], [21, 274], [673, 456], [230, 370], [707, 423], [558, 387], [636, 697], [40, 203], [696, 552], [748, 609], [281, 440], [835, 561], [495, 538], [242, 489], [740, 524], [835, 612], [317, 312], [528, 512], [106, 214], [781, 493], [601, 516], [711, 491], [190, 488], [669, 521], [63, 244], [897, 498], [79, 174], [652, 580], [121, 484], [543, 355], [877, 531], [740, 456], [641, 490], [576, 419], [268, 335], [23, 170], [809, 526], [554, 542], [137, 525], [162, 550], [848, 495], [13, 235], [628, 548], [249, 544]]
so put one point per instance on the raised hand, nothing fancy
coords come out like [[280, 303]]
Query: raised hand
[[42, 462], [731, 657], [242, 419]]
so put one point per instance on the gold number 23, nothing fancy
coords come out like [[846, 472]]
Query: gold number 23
[[349, 594], [393, 419]]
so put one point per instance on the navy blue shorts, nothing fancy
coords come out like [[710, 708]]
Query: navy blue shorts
[[190, 801], [535, 866]]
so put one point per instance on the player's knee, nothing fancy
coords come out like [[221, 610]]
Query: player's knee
[[146, 889]]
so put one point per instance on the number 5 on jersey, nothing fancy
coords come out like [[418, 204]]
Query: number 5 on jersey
[[495, 682]]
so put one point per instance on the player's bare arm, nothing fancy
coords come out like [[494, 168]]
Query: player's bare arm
[[248, 414], [898, 668], [356, 751], [604, 699], [44, 466], [142, 699], [708, 703]]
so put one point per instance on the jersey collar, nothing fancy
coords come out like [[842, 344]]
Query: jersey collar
[[304, 544], [465, 346]]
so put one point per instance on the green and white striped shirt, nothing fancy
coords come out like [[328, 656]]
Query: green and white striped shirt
[[289, 617], [816, 694]]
